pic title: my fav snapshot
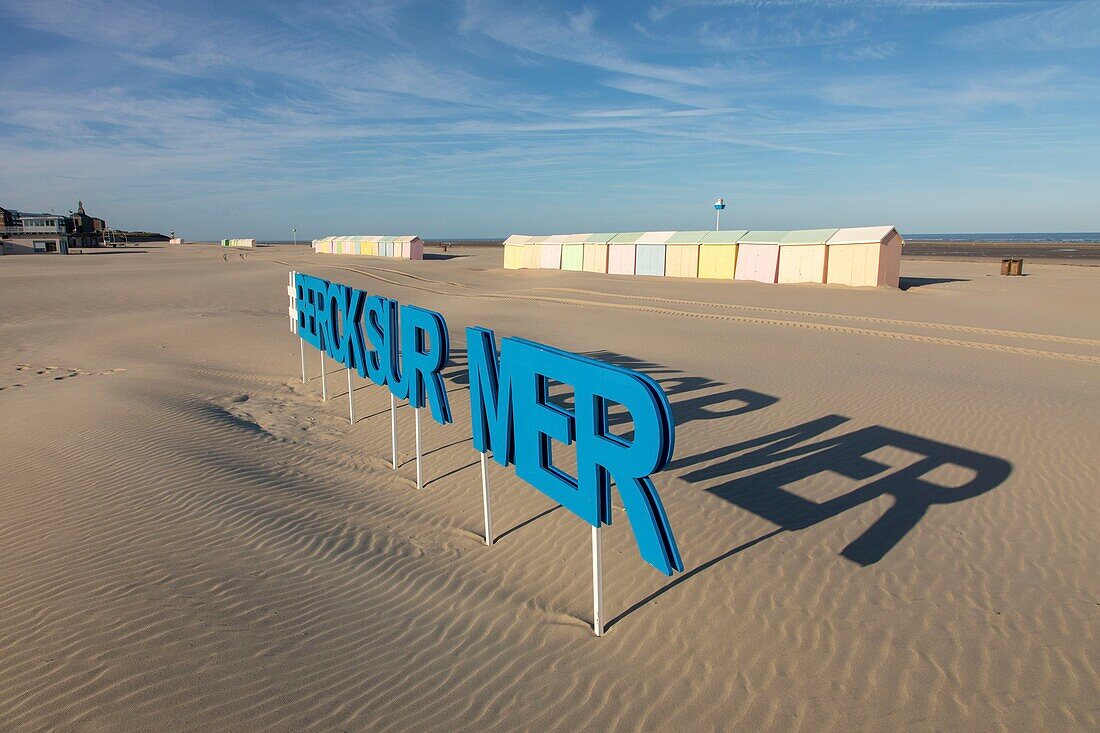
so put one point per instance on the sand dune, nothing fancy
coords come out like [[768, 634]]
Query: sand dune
[[193, 541]]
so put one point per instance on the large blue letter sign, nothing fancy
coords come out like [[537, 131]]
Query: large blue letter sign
[[406, 355], [425, 346], [514, 417]]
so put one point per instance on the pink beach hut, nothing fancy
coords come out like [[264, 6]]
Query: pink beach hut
[[802, 256], [595, 252], [867, 256], [409, 247], [550, 252], [621, 252], [649, 253], [758, 256]]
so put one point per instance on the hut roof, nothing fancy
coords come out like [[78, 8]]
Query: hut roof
[[862, 235], [726, 236], [763, 237], [809, 236]]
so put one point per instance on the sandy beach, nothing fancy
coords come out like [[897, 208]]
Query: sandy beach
[[192, 540]]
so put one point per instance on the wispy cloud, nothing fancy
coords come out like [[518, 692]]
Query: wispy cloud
[[1060, 26], [361, 109]]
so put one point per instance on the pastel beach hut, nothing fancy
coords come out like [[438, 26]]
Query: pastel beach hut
[[803, 255], [550, 252], [621, 251], [758, 256], [572, 252], [409, 247], [682, 254], [513, 251], [649, 253], [718, 254], [531, 253], [865, 256], [595, 252]]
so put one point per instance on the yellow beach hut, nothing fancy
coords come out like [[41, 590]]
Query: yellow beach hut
[[513, 251], [595, 252], [718, 254], [682, 254]]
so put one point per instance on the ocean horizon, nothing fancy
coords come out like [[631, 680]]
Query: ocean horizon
[[1022, 237]]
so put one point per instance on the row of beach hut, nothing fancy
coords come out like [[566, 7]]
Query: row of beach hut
[[863, 256], [237, 242], [409, 247]]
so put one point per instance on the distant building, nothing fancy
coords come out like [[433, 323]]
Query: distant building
[[36, 234], [28, 233], [86, 231]]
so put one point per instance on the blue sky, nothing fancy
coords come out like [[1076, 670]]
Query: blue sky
[[488, 117]]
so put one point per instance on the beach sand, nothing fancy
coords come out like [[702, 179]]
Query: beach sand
[[192, 540]]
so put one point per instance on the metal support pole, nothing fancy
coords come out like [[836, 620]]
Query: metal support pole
[[351, 401], [485, 499], [597, 580], [393, 428], [302, 349], [324, 384], [717, 219], [419, 475]]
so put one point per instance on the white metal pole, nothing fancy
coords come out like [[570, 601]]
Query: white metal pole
[[351, 401], [485, 499], [717, 219], [393, 428], [302, 349], [597, 580], [324, 385], [419, 479]]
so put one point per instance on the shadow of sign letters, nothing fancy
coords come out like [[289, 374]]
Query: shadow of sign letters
[[940, 474]]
